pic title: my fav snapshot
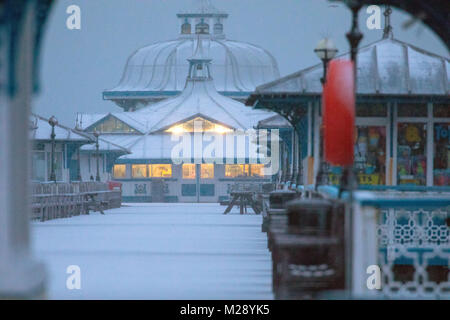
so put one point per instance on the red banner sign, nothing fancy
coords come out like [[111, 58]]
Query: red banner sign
[[339, 113]]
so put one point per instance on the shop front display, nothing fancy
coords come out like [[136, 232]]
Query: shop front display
[[411, 154], [441, 153], [370, 157]]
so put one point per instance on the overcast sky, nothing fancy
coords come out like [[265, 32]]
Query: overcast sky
[[77, 65]]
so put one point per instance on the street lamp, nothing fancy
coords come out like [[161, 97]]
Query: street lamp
[[96, 135], [326, 51], [53, 122]]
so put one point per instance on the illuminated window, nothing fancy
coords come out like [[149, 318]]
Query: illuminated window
[[198, 125], [236, 170], [257, 170], [119, 170], [207, 171], [160, 170], [188, 170], [139, 171], [244, 170]]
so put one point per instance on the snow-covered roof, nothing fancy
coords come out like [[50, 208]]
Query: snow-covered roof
[[161, 146], [200, 99], [105, 144], [86, 120], [275, 121], [388, 66], [159, 69], [40, 129]]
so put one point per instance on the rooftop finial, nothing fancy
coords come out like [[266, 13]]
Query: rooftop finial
[[387, 33], [205, 6]]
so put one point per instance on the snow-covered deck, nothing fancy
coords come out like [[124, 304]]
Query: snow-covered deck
[[157, 251]]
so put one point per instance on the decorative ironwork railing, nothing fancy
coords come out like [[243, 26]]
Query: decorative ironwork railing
[[412, 236]]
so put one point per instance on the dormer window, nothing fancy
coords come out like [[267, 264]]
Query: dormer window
[[218, 28], [186, 27], [202, 28]]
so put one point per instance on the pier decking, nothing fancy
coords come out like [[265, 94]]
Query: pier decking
[[157, 251]]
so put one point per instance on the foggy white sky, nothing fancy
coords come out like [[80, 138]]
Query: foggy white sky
[[77, 65]]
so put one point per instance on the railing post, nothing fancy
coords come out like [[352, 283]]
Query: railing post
[[364, 248]]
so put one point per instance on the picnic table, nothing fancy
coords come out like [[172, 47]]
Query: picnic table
[[243, 199]]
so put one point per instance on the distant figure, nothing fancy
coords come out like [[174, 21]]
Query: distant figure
[[92, 177]]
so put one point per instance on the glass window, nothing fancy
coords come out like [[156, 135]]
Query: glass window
[[257, 170], [441, 110], [160, 170], [371, 110], [119, 170], [188, 170], [202, 28], [188, 190], [207, 190], [38, 166], [112, 124], [139, 171], [58, 165], [441, 169], [186, 28], [198, 124], [236, 170], [370, 155], [412, 110], [207, 171], [411, 153]]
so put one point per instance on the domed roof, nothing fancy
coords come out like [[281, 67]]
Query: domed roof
[[160, 69], [200, 99]]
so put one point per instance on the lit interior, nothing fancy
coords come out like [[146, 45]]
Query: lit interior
[[199, 124]]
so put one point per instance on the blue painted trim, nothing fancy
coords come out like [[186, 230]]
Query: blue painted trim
[[407, 203], [330, 191], [137, 199], [404, 188], [171, 199]]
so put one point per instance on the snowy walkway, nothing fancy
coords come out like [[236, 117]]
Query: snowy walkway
[[157, 251]]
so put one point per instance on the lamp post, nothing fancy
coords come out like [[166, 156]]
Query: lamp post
[[326, 51], [96, 135], [53, 122]]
